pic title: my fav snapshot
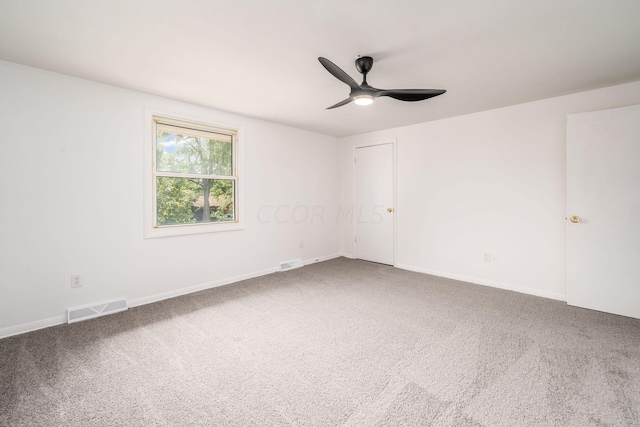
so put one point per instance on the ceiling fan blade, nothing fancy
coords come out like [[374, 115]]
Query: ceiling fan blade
[[341, 103], [411, 94], [338, 73]]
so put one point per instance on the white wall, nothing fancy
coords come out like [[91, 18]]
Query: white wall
[[71, 171], [71, 165], [487, 182]]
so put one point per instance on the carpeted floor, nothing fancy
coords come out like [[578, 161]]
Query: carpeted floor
[[341, 342]]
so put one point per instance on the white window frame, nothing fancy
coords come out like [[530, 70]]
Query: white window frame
[[150, 228]]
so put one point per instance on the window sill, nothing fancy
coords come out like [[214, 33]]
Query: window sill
[[186, 230]]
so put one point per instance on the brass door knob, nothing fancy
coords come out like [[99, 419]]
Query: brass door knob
[[575, 219], [389, 209]]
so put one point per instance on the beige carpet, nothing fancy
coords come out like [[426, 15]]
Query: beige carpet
[[337, 343]]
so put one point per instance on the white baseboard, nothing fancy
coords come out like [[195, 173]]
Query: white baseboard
[[135, 302], [32, 326], [320, 259], [484, 282], [347, 255], [214, 284]]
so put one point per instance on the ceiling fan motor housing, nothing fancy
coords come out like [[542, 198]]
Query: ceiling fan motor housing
[[364, 64]]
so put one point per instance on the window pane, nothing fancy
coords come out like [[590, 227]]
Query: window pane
[[184, 153], [182, 200]]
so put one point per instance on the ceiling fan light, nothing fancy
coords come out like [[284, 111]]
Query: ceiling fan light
[[363, 99]]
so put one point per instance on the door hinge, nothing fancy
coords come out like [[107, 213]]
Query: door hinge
[[355, 160], [355, 239]]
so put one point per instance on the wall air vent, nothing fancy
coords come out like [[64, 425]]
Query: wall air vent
[[290, 265], [89, 312]]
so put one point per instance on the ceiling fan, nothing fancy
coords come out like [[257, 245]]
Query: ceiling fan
[[363, 94]]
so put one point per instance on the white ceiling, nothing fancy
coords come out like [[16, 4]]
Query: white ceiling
[[259, 58]]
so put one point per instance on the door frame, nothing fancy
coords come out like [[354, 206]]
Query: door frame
[[394, 146]]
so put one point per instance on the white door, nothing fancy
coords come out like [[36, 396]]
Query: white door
[[373, 196], [603, 193]]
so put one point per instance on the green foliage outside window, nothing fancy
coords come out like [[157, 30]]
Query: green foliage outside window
[[193, 200]]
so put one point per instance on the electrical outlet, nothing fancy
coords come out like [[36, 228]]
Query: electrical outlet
[[487, 257], [301, 244], [76, 280]]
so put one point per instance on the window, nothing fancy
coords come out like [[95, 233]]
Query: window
[[194, 178]]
